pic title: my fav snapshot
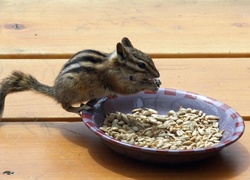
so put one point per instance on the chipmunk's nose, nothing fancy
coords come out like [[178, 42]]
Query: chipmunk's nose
[[156, 74]]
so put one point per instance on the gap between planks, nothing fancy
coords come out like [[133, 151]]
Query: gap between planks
[[153, 55], [61, 119]]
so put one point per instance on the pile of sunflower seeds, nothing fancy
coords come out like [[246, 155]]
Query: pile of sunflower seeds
[[185, 129]]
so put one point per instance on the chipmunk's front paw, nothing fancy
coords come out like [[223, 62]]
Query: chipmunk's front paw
[[151, 84], [157, 82], [84, 107]]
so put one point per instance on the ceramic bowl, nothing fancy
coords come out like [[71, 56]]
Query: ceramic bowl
[[163, 101]]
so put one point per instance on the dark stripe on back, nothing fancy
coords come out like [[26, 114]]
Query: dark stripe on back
[[79, 69], [85, 57], [89, 58], [90, 51]]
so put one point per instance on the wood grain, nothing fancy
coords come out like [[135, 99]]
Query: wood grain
[[198, 46], [162, 28], [70, 151], [226, 80]]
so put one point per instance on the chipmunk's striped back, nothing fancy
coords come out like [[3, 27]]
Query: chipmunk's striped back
[[125, 56], [84, 60]]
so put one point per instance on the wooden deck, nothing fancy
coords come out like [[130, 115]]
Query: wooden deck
[[198, 46]]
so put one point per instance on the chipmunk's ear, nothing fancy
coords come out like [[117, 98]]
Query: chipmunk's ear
[[121, 51], [126, 42]]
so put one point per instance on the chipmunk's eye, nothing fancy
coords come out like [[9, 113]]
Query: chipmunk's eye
[[141, 65]]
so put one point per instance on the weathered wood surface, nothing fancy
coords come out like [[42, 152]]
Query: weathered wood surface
[[206, 41], [226, 80], [69, 151], [31, 28]]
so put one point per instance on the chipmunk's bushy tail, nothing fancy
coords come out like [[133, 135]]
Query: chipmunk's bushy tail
[[19, 81]]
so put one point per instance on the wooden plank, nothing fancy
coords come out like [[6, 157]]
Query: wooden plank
[[226, 80], [162, 28], [29, 104], [69, 150]]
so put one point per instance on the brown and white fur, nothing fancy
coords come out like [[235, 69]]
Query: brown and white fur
[[89, 75]]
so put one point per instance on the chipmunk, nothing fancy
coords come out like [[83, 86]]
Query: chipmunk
[[90, 75]]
